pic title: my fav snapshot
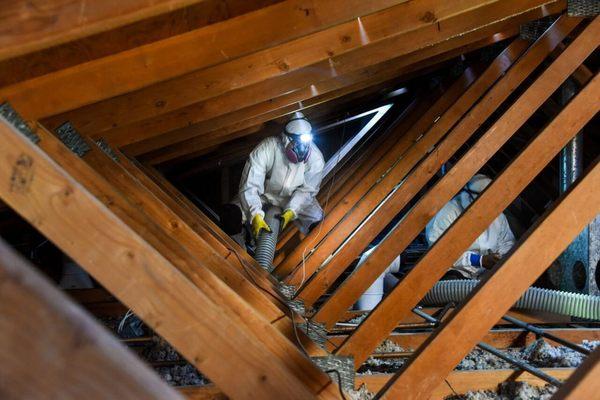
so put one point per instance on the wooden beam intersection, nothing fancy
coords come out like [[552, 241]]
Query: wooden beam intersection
[[493, 201], [259, 103], [307, 60], [93, 236], [432, 201], [173, 57]]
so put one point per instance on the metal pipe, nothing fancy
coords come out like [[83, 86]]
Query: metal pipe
[[490, 349], [542, 333], [521, 364]]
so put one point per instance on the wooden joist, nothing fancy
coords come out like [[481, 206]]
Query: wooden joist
[[240, 106], [416, 219], [50, 348], [493, 201], [458, 382], [399, 198], [29, 27], [462, 382], [347, 47], [465, 326], [237, 109], [175, 56], [584, 383], [500, 338], [191, 315], [412, 128]]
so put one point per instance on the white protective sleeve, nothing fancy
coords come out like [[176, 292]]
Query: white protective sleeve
[[252, 183], [441, 222], [313, 174], [505, 239]]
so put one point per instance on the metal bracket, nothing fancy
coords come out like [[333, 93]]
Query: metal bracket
[[340, 369], [72, 139], [583, 8], [532, 30], [315, 331], [105, 147], [9, 113]]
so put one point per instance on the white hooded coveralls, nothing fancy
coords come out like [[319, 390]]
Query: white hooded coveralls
[[270, 178], [497, 238]]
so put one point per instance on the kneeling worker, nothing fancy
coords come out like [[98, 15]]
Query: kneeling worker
[[283, 171], [488, 249]]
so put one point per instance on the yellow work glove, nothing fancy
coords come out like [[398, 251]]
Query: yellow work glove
[[287, 216], [258, 223]]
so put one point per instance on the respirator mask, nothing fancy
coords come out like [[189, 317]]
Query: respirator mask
[[298, 136]]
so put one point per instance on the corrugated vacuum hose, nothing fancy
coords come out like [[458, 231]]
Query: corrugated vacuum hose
[[553, 301], [267, 241]]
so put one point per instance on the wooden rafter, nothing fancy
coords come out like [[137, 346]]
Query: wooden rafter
[[410, 157], [50, 348], [62, 209], [493, 296], [103, 44], [433, 161], [369, 79], [261, 102], [181, 54], [28, 27], [393, 32], [415, 285]]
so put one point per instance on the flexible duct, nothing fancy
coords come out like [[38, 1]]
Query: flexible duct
[[553, 301], [267, 241]]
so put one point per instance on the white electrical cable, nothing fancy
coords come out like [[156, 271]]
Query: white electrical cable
[[324, 208]]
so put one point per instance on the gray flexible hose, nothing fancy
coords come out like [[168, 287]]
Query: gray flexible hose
[[267, 241], [554, 301]]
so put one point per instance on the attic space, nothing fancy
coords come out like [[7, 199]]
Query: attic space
[[300, 199]]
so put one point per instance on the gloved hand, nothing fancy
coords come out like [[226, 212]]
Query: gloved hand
[[258, 223], [489, 260], [287, 216]]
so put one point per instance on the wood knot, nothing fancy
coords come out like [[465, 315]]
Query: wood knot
[[428, 17], [282, 65], [346, 39], [160, 103]]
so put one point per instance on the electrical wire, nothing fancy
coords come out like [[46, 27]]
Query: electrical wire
[[293, 314], [312, 242]]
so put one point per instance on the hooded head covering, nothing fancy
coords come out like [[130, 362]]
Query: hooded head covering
[[297, 138], [473, 189]]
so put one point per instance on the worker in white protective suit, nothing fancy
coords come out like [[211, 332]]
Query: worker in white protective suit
[[488, 249], [283, 171]]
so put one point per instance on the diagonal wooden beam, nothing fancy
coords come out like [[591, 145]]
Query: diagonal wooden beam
[[228, 267], [238, 106], [66, 353], [493, 296], [336, 190], [434, 160], [145, 204], [214, 235], [399, 198], [390, 33], [176, 56], [199, 118], [429, 269], [176, 307], [417, 122], [584, 383], [28, 27]]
